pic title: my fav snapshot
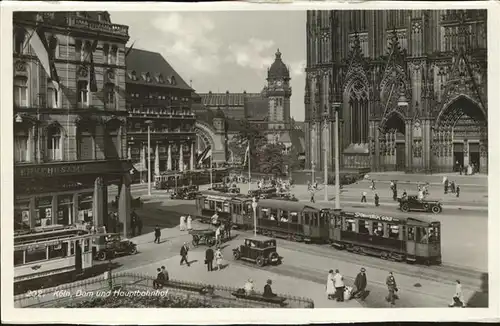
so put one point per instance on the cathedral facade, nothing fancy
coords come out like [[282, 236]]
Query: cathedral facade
[[410, 87]]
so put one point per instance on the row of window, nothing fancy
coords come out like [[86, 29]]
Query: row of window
[[52, 99], [157, 96], [146, 76], [25, 144], [61, 250]]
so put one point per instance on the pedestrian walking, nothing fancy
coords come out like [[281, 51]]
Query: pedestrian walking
[[218, 241], [209, 259], [452, 187], [457, 190], [363, 197], [446, 185], [392, 288], [184, 253], [458, 297], [360, 284], [312, 198], [330, 286], [373, 184], [189, 222], [377, 198], [218, 259], [182, 223], [338, 281], [157, 234]]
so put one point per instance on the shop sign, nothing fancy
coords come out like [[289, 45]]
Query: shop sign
[[67, 169]]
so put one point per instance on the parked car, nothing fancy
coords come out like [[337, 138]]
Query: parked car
[[111, 245], [258, 249], [412, 203]]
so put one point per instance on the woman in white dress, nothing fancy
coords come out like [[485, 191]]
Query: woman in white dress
[[182, 225], [218, 259], [189, 221], [330, 289]]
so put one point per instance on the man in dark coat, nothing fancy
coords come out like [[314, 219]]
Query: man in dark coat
[[184, 253], [157, 234], [268, 292], [377, 198], [392, 288], [160, 279], [360, 284], [457, 190], [209, 259]]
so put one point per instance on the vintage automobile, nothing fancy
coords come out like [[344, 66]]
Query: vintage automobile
[[412, 203], [111, 245], [285, 196], [186, 193], [206, 236], [258, 249]]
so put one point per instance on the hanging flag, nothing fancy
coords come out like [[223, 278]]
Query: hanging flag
[[129, 49], [93, 82], [247, 153], [41, 48]]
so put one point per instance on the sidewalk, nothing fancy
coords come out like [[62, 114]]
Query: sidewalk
[[434, 179], [236, 274]]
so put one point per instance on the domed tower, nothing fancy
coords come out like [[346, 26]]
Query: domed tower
[[278, 93]]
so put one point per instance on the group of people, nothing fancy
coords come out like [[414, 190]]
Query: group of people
[[336, 289], [451, 186], [161, 277], [210, 255], [268, 291], [470, 169], [185, 223]]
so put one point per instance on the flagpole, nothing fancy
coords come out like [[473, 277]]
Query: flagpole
[[249, 171]]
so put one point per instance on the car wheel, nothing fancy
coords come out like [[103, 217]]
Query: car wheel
[[436, 209], [133, 250], [101, 255], [236, 254], [260, 261], [405, 208], [274, 257]]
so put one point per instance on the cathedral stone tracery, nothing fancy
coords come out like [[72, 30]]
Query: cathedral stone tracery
[[411, 85]]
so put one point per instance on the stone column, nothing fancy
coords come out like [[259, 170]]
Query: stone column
[[124, 206], [483, 150], [169, 158], [97, 204], [181, 157], [409, 145], [376, 156], [466, 152], [54, 210], [157, 159], [191, 162]]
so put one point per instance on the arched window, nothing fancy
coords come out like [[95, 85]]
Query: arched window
[[19, 39], [114, 55], [54, 143], [106, 54], [358, 105], [85, 141], [112, 140], [20, 91], [52, 94], [78, 50], [109, 95], [23, 142], [83, 92]]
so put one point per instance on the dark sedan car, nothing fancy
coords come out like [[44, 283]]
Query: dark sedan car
[[412, 203]]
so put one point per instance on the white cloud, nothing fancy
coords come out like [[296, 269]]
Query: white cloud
[[297, 69], [188, 43], [255, 54]]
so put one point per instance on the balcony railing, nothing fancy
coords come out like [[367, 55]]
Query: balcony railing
[[160, 112]]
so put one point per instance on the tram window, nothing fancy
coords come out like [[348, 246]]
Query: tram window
[[265, 213], [36, 255], [226, 207], [294, 217], [350, 225], [18, 257], [218, 206], [411, 234], [306, 218], [422, 235], [314, 221], [364, 227], [394, 231], [378, 229], [338, 222], [86, 245], [274, 212], [58, 251], [433, 234], [284, 216]]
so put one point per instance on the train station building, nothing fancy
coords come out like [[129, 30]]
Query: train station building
[[69, 118], [410, 87]]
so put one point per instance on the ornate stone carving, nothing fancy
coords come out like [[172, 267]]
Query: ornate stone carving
[[83, 72], [20, 66]]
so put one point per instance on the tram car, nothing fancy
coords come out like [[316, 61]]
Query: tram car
[[388, 237], [230, 207], [50, 252]]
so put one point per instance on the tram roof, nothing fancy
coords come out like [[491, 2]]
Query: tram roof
[[284, 204], [222, 194], [395, 217]]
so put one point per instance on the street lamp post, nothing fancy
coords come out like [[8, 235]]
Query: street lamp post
[[149, 122], [313, 167], [337, 154], [325, 164], [254, 206]]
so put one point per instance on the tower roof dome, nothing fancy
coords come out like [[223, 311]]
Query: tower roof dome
[[278, 69]]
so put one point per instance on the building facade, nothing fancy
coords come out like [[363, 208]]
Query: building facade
[[410, 87], [158, 98], [69, 118]]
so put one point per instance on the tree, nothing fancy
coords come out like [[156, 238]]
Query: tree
[[248, 134]]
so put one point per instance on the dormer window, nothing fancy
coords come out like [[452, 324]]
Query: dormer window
[[160, 79], [173, 82], [133, 75], [148, 77]]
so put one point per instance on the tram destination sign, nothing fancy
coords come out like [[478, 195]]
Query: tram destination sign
[[52, 170]]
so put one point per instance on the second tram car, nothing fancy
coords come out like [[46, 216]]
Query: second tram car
[[388, 237], [228, 206]]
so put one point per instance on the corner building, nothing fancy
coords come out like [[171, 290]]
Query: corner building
[[69, 118], [410, 87]]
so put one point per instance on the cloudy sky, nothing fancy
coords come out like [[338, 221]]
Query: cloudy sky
[[222, 51]]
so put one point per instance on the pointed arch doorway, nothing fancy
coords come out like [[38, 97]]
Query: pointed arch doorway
[[393, 143], [460, 136]]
